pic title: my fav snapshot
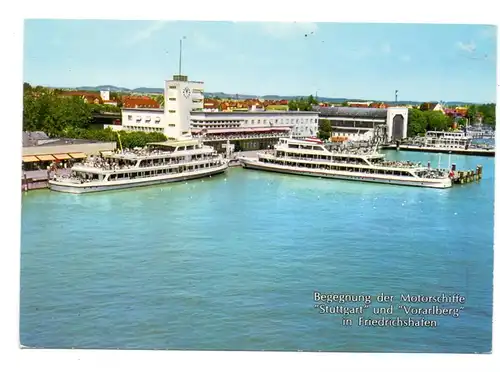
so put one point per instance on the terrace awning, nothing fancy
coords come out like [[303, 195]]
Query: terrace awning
[[45, 157], [62, 156], [78, 155], [30, 159]]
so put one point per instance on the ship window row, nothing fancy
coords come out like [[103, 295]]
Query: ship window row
[[327, 158], [160, 172], [336, 167], [178, 160]]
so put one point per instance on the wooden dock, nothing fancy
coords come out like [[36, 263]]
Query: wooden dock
[[461, 177]]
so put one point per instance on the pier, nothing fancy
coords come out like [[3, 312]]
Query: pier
[[461, 177], [39, 179]]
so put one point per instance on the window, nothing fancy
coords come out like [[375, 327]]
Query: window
[[171, 111], [172, 87], [157, 120], [148, 119], [172, 98], [171, 125], [130, 117], [258, 121], [253, 121]]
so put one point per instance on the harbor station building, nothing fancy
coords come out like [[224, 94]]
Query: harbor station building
[[183, 117], [365, 124]]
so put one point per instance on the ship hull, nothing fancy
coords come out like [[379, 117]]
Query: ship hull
[[74, 188], [348, 176]]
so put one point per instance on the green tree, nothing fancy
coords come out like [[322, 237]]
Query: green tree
[[45, 111], [302, 104], [436, 120], [345, 104], [324, 129], [472, 114], [417, 122], [160, 99], [292, 105], [311, 100], [488, 113]]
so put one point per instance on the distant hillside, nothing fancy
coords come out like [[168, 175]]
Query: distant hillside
[[223, 95]]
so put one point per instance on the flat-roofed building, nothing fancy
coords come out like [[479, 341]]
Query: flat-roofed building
[[39, 150], [251, 130], [366, 124]]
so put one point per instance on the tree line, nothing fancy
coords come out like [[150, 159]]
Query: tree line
[[419, 122], [128, 139], [302, 104], [70, 117], [486, 112]]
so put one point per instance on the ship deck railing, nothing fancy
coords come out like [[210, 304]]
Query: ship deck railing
[[387, 164], [107, 167]]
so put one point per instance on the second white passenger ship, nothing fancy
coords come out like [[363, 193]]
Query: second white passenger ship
[[362, 164], [157, 163]]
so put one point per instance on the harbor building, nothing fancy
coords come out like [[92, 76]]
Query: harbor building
[[367, 124], [183, 116], [42, 154], [252, 130], [181, 98]]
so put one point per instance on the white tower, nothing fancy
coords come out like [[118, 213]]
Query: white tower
[[181, 97]]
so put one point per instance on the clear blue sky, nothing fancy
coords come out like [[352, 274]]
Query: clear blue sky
[[366, 61]]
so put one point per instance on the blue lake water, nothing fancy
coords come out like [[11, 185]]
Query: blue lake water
[[231, 263]]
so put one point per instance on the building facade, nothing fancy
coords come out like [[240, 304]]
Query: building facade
[[183, 116], [252, 130], [181, 98], [142, 119], [367, 124]]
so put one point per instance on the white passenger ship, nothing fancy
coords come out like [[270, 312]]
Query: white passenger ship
[[362, 164], [447, 140], [157, 163]]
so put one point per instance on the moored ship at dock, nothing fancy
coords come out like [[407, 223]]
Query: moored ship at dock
[[157, 163], [361, 164]]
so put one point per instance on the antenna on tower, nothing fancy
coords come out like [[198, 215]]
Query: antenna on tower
[[180, 54]]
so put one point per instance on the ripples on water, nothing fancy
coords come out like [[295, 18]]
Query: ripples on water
[[231, 262]]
